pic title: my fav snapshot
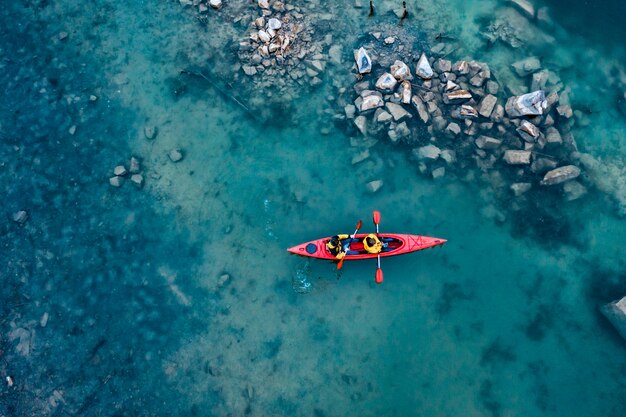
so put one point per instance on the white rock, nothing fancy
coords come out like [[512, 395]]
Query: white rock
[[428, 152], [374, 186], [371, 102], [397, 111], [386, 82], [361, 124], [401, 71], [616, 313], [515, 157], [216, 4], [264, 36], [405, 92], [264, 4], [423, 68], [531, 104], [119, 170], [175, 155], [116, 181], [560, 175], [259, 22], [389, 40], [274, 24], [363, 61]]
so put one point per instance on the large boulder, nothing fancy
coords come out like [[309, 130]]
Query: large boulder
[[363, 61], [560, 175], [531, 104], [616, 313]]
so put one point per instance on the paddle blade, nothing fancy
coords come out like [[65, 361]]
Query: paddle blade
[[379, 276], [340, 264], [376, 216], [359, 224]]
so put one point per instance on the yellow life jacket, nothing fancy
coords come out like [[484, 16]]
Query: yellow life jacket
[[377, 247]]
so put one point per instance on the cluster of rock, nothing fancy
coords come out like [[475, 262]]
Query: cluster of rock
[[120, 173], [279, 40], [449, 112]]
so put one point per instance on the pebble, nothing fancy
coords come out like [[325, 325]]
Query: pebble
[[20, 217], [119, 170], [176, 155]]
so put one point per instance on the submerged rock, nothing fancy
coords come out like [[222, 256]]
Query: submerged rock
[[520, 188], [134, 166], [119, 170], [20, 217], [428, 152], [616, 313], [515, 157], [423, 69], [487, 142], [274, 24], [361, 124], [150, 132], [137, 180], [175, 155], [560, 175], [526, 66], [363, 61], [374, 186], [525, 7], [531, 104], [573, 190]]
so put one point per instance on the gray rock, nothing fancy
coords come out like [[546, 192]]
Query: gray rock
[[386, 82], [428, 152], [20, 216], [493, 87], [553, 137], [274, 24], [423, 69], [477, 80], [363, 61], [498, 114], [137, 180], [528, 131], [526, 66], [450, 86], [421, 108], [565, 111], [401, 71], [531, 104], [487, 142], [439, 123], [443, 65], [397, 111], [176, 155], [361, 124], [382, 116], [520, 188], [485, 108], [573, 190], [615, 312], [119, 170], [515, 157], [116, 181], [448, 155], [560, 175], [454, 129], [374, 186], [542, 165], [150, 132], [540, 79], [402, 130]]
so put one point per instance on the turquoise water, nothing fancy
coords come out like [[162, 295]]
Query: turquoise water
[[115, 300]]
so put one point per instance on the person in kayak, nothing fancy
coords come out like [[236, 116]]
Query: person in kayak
[[372, 244], [337, 245]]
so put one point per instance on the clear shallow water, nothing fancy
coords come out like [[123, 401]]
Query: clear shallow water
[[501, 321]]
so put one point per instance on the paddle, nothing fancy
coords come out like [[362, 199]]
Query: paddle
[[358, 226], [379, 272]]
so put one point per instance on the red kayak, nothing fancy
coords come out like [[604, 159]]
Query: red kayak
[[396, 244]]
